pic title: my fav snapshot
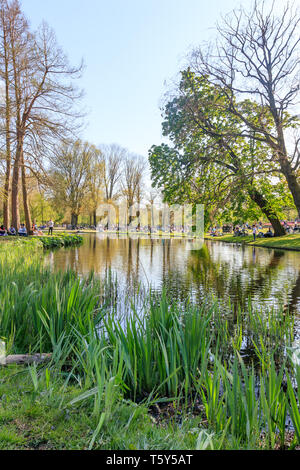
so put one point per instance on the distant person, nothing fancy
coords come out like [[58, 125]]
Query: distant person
[[268, 234], [35, 231], [33, 228], [3, 232], [12, 231], [22, 231], [50, 225], [237, 232], [254, 231]]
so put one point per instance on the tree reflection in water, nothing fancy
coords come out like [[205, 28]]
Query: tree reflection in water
[[239, 273]]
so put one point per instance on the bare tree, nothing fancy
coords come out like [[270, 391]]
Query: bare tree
[[96, 183], [71, 169], [14, 37], [20, 55], [132, 178], [114, 156], [40, 99], [5, 74], [256, 55], [152, 195]]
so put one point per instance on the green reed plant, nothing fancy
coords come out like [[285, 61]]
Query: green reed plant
[[106, 393], [37, 305], [271, 324], [60, 240], [212, 400], [166, 346], [293, 402], [273, 404], [252, 407], [240, 401]]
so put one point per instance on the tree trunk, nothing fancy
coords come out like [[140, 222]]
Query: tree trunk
[[15, 182], [6, 78], [27, 359], [25, 199], [6, 196], [285, 165], [149, 218], [292, 181], [74, 219], [15, 215], [262, 203]]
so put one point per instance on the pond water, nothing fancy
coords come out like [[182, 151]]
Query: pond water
[[269, 277]]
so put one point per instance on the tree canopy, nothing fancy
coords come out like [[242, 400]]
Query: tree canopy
[[211, 159]]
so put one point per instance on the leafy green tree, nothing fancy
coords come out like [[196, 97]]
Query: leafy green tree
[[71, 170], [256, 54], [205, 166]]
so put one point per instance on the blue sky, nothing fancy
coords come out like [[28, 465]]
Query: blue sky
[[130, 48]]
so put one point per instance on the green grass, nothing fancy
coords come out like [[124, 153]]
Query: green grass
[[43, 419], [53, 241], [40, 409], [287, 242], [60, 240], [35, 301]]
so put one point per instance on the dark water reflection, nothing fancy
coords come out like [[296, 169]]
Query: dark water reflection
[[268, 277]]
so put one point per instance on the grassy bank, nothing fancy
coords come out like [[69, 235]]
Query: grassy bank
[[288, 242], [60, 240], [165, 377], [37, 413], [53, 241]]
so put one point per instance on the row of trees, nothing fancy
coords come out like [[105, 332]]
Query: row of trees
[[81, 179], [38, 106], [232, 120], [46, 170], [232, 123], [83, 176]]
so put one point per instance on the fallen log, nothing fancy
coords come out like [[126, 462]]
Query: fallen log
[[26, 359]]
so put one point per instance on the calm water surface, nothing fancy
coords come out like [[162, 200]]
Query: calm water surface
[[269, 277]]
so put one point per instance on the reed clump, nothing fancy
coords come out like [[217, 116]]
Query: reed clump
[[238, 371]]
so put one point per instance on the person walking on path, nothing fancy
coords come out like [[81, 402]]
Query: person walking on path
[[50, 225], [254, 230]]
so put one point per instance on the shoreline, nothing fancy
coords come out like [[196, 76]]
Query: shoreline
[[287, 242]]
